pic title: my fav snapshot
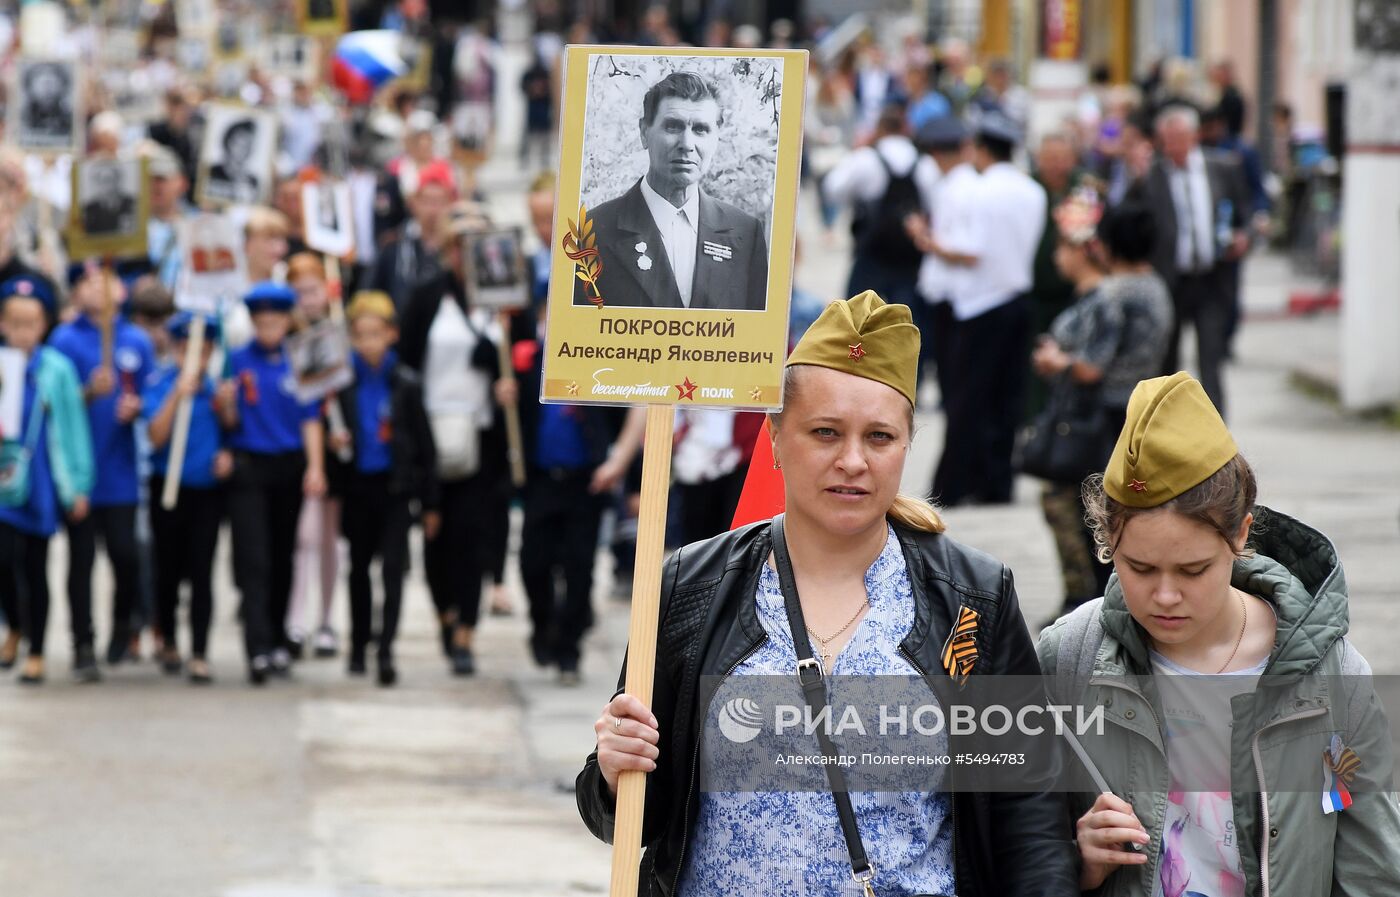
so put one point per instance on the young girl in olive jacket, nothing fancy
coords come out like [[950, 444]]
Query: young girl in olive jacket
[[1243, 749]]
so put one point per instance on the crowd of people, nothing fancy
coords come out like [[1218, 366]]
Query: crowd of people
[[1049, 274], [1041, 289]]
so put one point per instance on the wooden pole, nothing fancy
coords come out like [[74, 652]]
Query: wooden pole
[[641, 638], [515, 447], [334, 416], [109, 316], [180, 435]]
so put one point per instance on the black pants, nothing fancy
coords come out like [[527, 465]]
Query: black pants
[[988, 369], [376, 525], [456, 560], [185, 538], [1204, 302], [560, 539], [117, 526], [264, 502], [496, 512], [936, 324], [24, 584]]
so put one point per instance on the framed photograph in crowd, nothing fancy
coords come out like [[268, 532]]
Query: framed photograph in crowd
[[237, 155], [212, 272], [111, 205], [196, 17], [194, 54], [228, 40], [12, 365], [711, 138], [46, 117], [327, 221], [120, 47], [495, 271], [294, 56], [320, 359], [322, 18]]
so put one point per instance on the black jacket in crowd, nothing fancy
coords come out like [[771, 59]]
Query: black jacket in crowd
[[1003, 843], [413, 458]]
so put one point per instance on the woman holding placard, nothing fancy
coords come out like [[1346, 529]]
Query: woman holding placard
[[882, 593], [453, 348]]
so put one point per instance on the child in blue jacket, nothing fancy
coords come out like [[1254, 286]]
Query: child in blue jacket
[[57, 463], [186, 535]]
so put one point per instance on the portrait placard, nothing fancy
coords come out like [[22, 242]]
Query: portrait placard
[[295, 56], [12, 365], [327, 220], [672, 267], [211, 270], [196, 17], [111, 205], [46, 117], [495, 274], [236, 158], [322, 18], [320, 359]]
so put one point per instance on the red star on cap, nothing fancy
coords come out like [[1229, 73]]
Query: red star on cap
[[857, 352], [686, 389], [1138, 486]]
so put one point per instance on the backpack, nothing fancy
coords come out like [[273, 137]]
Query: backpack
[[878, 227]]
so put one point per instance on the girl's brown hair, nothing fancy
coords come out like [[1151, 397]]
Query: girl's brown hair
[[1222, 502], [908, 511]]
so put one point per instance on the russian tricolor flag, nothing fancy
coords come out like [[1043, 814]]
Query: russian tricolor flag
[[1336, 798], [365, 61]]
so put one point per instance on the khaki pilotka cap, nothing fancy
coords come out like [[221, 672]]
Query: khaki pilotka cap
[[1173, 439], [867, 337]]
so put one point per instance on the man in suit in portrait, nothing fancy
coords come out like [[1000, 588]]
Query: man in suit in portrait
[[109, 211], [1201, 204], [665, 243]]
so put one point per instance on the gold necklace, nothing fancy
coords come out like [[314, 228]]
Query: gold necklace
[[1244, 620], [826, 655]]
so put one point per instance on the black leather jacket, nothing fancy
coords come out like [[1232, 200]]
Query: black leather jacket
[[1005, 845]]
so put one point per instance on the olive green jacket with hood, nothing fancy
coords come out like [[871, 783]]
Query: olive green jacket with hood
[[1315, 685]]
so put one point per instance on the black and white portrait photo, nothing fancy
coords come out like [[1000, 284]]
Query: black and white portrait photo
[[678, 177], [46, 117], [108, 190], [110, 207], [294, 56], [327, 224], [320, 360], [236, 159], [495, 272]]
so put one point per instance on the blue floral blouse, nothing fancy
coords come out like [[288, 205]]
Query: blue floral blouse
[[789, 843]]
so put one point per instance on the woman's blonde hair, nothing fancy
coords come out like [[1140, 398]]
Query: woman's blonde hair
[[265, 221], [907, 511]]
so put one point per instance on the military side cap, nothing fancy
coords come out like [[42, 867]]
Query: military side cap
[[29, 287], [1173, 439], [867, 337], [179, 325], [269, 296], [944, 132]]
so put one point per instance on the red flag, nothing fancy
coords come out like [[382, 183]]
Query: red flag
[[762, 497]]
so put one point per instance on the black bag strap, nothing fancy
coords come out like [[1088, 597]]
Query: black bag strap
[[812, 679]]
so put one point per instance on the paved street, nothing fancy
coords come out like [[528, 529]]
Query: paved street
[[324, 787]]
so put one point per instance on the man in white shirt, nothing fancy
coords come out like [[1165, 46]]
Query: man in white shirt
[[665, 243], [988, 364], [1201, 204], [886, 182], [940, 232]]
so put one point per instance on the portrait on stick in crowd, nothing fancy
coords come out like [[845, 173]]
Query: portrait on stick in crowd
[[45, 116], [322, 18], [236, 159], [328, 225], [495, 269], [320, 360], [674, 218], [111, 205]]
